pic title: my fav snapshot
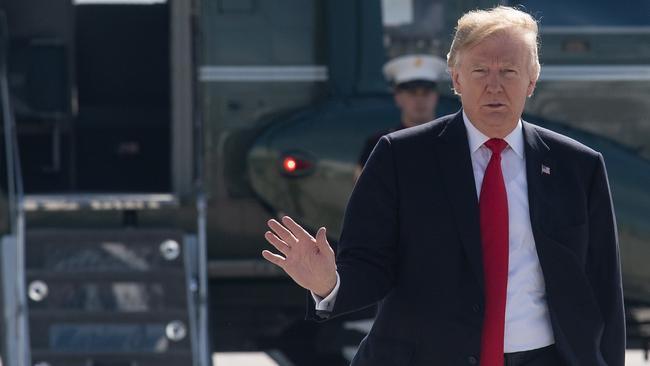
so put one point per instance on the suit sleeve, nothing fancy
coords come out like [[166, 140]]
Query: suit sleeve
[[366, 253], [604, 267]]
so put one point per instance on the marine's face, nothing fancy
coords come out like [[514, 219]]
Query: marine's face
[[493, 79], [418, 105]]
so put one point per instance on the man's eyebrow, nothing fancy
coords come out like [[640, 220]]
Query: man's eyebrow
[[479, 61]]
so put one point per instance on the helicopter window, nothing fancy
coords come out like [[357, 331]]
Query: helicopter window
[[416, 26]]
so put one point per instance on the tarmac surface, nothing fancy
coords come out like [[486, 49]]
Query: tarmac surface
[[632, 358], [274, 358]]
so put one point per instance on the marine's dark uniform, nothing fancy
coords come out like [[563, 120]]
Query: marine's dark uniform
[[372, 141]]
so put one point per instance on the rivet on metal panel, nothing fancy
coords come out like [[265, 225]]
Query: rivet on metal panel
[[37, 290], [170, 249], [175, 331]]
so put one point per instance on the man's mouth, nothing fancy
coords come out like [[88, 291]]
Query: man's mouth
[[495, 105]]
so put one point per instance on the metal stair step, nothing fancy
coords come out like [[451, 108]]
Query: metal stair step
[[125, 296], [103, 250], [109, 297], [52, 316], [107, 337], [172, 358], [172, 274]]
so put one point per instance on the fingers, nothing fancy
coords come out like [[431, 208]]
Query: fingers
[[273, 258], [296, 229], [282, 232], [277, 242]]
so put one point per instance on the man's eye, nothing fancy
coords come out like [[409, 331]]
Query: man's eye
[[479, 70]]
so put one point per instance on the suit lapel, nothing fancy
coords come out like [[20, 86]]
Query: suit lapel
[[458, 177], [538, 174], [535, 151]]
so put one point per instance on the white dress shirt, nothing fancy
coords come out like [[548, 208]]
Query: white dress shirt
[[527, 323]]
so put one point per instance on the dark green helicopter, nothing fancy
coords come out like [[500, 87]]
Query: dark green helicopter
[[260, 108]]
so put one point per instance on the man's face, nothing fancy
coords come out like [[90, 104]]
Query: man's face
[[418, 105], [493, 79]]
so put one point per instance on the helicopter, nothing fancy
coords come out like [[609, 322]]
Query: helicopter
[[256, 109]]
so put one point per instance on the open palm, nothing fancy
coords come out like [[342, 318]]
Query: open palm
[[308, 260]]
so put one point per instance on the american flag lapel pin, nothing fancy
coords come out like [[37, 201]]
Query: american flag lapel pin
[[546, 170]]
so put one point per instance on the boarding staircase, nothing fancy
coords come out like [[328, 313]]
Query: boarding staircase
[[103, 293], [111, 297]]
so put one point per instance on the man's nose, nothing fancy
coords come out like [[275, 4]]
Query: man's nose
[[493, 82]]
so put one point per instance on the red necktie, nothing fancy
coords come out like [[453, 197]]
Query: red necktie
[[493, 206]]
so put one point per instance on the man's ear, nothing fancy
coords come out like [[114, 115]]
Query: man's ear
[[455, 80], [397, 96], [531, 88]]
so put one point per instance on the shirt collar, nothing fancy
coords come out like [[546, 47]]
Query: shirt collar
[[476, 138]]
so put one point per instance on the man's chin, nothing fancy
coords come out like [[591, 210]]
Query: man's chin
[[496, 124], [496, 116]]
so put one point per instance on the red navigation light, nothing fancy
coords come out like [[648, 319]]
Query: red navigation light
[[290, 164], [296, 165]]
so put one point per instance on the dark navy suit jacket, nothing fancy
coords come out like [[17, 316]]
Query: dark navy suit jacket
[[411, 241]]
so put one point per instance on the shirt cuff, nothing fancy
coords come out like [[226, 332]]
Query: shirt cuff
[[327, 303]]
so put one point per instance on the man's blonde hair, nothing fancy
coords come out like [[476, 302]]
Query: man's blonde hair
[[476, 25]]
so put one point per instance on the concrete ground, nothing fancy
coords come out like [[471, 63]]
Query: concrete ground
[[635, 358], [632, 358]]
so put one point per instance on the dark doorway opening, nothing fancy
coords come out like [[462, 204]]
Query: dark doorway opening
[[90, 88], [123, 80]]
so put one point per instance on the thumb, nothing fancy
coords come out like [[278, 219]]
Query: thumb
[[321, 239]]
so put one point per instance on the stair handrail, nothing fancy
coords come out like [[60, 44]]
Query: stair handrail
[[15, 198], [199, 188]]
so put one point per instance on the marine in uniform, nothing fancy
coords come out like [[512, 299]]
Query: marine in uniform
[[415, 81]]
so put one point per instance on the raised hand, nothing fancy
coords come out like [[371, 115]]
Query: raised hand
[[309, 261]]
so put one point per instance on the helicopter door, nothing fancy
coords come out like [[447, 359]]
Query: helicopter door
[[123, 89]]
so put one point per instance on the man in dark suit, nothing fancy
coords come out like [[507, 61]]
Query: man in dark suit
[[496, 246]]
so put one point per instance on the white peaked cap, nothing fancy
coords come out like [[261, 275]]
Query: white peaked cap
[[415, 67]]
